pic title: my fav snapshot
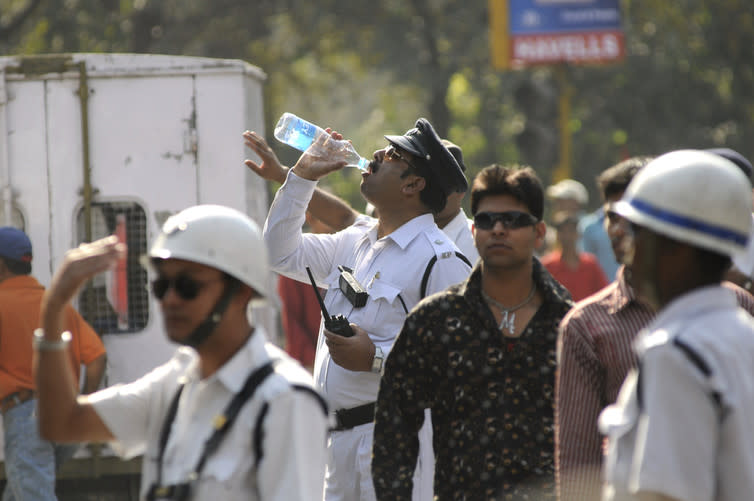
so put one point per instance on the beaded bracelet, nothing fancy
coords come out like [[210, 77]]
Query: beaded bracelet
[[40, 343]]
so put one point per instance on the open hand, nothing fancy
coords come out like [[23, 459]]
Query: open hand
[[317, 161], [270, 169], [79, 265]]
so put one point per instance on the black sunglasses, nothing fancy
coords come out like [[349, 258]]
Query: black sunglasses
[[186, 287], [512, 219]]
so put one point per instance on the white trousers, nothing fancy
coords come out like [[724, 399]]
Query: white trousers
[[349, 467]]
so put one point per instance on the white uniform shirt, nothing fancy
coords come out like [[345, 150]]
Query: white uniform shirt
[[386, 268], [295, 427], [690, 435], [459, 231]]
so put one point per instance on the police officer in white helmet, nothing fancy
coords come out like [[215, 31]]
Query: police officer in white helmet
[[230, 416], [682, 426]]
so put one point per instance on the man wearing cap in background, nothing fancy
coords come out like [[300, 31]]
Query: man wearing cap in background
[[230, 416], [407, 182], [566, 196], [336, 212], [453, 220], [30, 462], [681, 428], [569, 196]]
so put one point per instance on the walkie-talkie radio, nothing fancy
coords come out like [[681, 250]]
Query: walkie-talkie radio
[[351, 288], [338, 324]]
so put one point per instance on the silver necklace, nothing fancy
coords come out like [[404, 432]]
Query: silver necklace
[[508, 320]]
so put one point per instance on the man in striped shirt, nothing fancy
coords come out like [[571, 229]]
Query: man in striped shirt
[[595, 353]]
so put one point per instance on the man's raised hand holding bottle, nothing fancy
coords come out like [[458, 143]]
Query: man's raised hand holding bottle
[[325, 206], [305, 136]]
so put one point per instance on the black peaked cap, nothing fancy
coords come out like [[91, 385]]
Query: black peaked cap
[[423, 143]]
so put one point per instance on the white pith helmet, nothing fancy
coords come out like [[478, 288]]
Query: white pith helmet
[[694, 197], [220, 237]]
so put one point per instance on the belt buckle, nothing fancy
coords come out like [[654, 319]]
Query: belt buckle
[[339, 425]]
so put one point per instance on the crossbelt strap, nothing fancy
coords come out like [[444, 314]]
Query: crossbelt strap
[[221, 426], [259, 428], [428, 270]]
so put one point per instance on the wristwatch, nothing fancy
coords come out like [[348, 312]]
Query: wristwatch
[[378, 360]]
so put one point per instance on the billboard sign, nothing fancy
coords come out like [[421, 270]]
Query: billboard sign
[[530, 32]]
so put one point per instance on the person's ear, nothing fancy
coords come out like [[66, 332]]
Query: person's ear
[[540, 230], [414, 184]]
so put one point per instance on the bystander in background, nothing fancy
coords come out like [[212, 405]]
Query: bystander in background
[[578, 271], [569, 196], [30, 461], [481, 356]]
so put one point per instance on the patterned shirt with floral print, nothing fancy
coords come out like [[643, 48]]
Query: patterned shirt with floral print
[[491, 398]]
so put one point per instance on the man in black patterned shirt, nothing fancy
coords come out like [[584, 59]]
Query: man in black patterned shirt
[[481, 356]]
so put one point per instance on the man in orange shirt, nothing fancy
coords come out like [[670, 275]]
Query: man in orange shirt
[[30, 462], [578, 271]]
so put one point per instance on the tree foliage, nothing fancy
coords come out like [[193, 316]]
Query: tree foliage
[[369, 68]]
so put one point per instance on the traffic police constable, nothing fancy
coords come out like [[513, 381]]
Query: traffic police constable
[[407, 182], [681, 428], [210, 262]]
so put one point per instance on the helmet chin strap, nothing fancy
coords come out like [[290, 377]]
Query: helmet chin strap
[[207, 327]]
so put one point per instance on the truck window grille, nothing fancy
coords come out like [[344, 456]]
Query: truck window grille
[[117, 301]]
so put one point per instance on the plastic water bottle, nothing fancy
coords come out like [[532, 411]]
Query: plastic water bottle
[[300, 134]]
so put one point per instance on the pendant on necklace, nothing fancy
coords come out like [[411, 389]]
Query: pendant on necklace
[[508, 321]]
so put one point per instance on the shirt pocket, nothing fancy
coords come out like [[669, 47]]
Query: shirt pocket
[[232, 460], [387, 313]]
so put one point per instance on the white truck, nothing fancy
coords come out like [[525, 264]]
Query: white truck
[[96, 144]]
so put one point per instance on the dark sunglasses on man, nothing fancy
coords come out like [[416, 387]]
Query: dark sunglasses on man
[[511, 220], [186, 287]]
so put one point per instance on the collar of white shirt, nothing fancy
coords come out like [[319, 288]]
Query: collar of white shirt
[[234, 372], [685, 309], [407, 232]]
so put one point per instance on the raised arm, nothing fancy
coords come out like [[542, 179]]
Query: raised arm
[[291, 250], [95, 371], [62, 416], [328, 208]]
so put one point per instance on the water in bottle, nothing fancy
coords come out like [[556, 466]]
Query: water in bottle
[[300, 134]]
